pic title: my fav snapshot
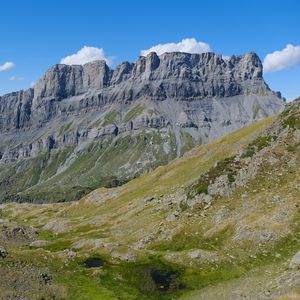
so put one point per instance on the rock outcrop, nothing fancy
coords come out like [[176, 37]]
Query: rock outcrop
[[178, 76]]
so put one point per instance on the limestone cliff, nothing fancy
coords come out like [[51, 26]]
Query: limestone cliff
[[160, 105]]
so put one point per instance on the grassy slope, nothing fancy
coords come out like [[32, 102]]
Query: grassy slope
[[120, 218], [101, 164]]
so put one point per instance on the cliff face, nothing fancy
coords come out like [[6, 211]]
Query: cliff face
[[173, 75], [222, 223], [174, 101], [177, 76]]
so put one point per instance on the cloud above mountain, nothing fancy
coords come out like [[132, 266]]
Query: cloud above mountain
[[85, 55], [283, 59], [6, 66], [15, 78], [190, 45]]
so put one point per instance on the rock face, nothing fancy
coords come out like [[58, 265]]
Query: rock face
[[174, 102], [177, 76]]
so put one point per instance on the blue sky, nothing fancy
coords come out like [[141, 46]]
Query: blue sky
[[37, 34]]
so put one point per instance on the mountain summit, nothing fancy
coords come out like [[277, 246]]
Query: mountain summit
[[87, 126]]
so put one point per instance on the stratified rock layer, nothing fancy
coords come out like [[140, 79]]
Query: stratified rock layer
[[173, 102]]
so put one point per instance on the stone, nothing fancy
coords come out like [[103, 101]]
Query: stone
[[89, 243], [171, 217], [149, 199], [141, 244], [220, 187], [57, 226], [201, 199], [3, 252], [195, 254], [45, 278], [295, 261], [39, 243], [203, 255], [127, 257], [68, 255]]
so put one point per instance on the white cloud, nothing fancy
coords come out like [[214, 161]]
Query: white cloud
[[13, 77], [85, 55], [6, 66], [32, 84], [283, 59], [186, 45]]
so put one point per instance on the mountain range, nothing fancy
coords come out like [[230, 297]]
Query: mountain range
[[82, 127]]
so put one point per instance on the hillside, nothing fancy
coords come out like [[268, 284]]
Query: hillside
[[221, 222], [84, 127]]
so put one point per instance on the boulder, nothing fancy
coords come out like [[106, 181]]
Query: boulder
[[3, 252], [295, 261]]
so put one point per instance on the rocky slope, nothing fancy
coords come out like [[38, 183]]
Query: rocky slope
[[221, 222], [87, 126]]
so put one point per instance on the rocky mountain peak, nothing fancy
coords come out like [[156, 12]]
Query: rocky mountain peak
[[152, 62], [207, 72], [63, 81], [176, 75]]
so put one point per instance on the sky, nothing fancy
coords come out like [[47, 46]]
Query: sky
[[35, 35]]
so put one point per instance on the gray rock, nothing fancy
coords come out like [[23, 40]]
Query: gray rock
[[178, 76], [199, 254], [89, 243], [295, 261], [39, 243], [149, 199], [129, 257], [220, 186], [202, 96], [58, 226], [68, 255], [196, 254], [3, 252], [172, 216]]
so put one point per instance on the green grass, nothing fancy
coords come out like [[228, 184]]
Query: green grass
[[227, 166], [65, 128], [294, 148], [292, 122], [185, 240], [58, 245], [290, 117], [258, 144], [56, 160], [120, 280], [187, 141], [133, 113], [109, 118], [131, 280], [99, 165], [136, 278]]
